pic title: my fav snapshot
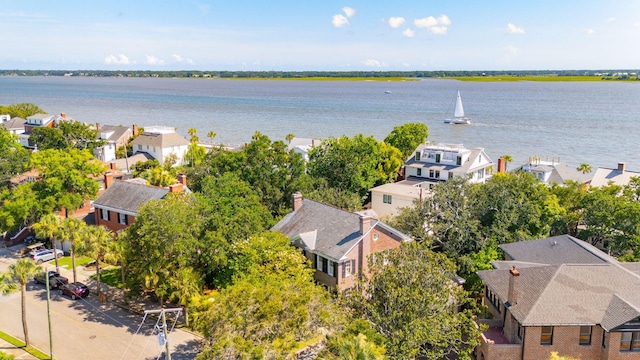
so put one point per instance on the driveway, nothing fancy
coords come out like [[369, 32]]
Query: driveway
[[86, 328]]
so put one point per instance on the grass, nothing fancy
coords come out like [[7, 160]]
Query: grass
[[111, 277], [329, 78], [536, 78], [66, 261], [19, 343]]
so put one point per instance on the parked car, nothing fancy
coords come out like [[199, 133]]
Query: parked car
[[74, 290], [33, 248], [55, 279], [45, 255]]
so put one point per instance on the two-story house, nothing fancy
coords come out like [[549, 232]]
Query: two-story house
[[118, 205], [561, 294], [616, 176], [160, 142], [34, 121], [431, 163], [338, 243], [550, 172], [115, 137]]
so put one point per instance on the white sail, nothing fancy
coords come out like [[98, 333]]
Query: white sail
[[459, 110]]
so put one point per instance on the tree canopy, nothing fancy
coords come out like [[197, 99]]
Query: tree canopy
[[21, 110], [66, 134], [407, 137]]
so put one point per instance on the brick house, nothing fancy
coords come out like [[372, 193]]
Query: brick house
[[561, 294], [338, 243], [118, 205]]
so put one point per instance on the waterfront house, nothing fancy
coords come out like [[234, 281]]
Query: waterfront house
[[431, 163], [15, 125], [338, 243], [160, 142], [550, 172], [118, 205], [560, 294], [114, 137], [618, 176], [35, 121]]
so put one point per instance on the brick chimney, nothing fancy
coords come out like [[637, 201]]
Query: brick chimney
[[108, 179], [512, 296], [622, 166], [63, 115], [175, 188], [502, 165], [365, 223], [98, 126], [135, 129], [296, 200], [182, 179], [112, 166]]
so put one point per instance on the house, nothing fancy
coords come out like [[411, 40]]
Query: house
[[618, 176], [338, 243], [4, 118], [35, 121], [303, 146], [550, 172], [432, 163], [561, 294], [118, 205], [160, 142], [115, 137], [15, 125]]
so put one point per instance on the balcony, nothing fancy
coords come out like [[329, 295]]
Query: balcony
[[494, 345]]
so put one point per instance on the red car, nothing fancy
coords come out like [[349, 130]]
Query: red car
[[74, 290]]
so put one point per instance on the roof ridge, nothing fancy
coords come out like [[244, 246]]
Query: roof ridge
[[535, 304], [331, 206]]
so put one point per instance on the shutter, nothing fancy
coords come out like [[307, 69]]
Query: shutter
[[344, 272], [335, 269], [353, 267], [126, 219], [108, 215], [324, 265]]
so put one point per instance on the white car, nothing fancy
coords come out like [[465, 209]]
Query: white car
[[46, 255]]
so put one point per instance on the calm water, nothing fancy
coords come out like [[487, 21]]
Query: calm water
[[592, 122]]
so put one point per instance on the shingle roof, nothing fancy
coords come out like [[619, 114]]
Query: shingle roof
[[603, 176], [126, 197], [333, 231], [556, 250], [118, 131], [160, 140], [17, 123]]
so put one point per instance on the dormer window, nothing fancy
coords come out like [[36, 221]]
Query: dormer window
[[417, 155]]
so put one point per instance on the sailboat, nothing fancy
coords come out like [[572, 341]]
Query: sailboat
[[458, 114]]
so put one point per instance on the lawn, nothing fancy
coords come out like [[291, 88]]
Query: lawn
[[111, 277], [65, 261]]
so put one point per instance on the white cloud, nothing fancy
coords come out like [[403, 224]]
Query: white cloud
[[396, 22], [512, 29], [117, 60], [349, 11], [438, 26], [611, 19], [177, 57], [409, 33], [590, 31], [339, 20], [374, 63], [152, 60]]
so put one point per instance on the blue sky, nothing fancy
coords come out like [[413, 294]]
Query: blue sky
[[322, 35]]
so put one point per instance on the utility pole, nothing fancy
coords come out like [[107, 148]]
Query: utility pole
[[165, 331], [46, 276], [166, 339]]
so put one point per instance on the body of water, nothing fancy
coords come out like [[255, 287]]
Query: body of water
[[578, 122]]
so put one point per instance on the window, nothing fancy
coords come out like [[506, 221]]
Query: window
[[330, 267], [546, 335], [375, 236], [431, 173], [417, 155], [104, 214], [481, 174], [604, 339], [630, 341], [348, 270], [519, 331], [139, 147], [122, 219], [450, 175], [419, 172], [319, 262], [437, 174], [437, 158], [459, 160], [585, 335], [386, 199]]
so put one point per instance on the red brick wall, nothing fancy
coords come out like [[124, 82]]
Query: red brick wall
[[112, 224], [612, 351], [566, 341]]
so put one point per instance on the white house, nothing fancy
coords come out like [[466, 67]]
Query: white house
[[431, 163], [160, 142], [35, 121], [115, 136], [553, 171], [618, 176]]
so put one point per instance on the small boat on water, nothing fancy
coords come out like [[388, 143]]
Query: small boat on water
[[458, 114], [387, 92]]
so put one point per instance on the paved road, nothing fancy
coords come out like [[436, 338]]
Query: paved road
[[86, 328]]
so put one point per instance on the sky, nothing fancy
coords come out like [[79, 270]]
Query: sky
[[322, 35]]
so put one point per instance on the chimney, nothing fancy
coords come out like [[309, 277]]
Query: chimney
[[512, 296], [98, 126], [182, 179], [622, 166], [135, 129], [63, 115], [112, 166], [108, 179], [365, 223], [175, 188], [313, 142], [296, 200], [502, 165]]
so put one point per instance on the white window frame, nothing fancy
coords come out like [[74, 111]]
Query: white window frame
[[347, 268], [122, 219], [318, 262], [330, 268], [104, 214]]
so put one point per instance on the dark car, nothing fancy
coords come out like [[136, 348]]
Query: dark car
[[55, 279], [74, 290]]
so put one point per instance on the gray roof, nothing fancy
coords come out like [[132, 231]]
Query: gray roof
[[126, 197], [463, 168], [121, 164], [160, 140], [560, 172], [325, 229], [603, 176], [17, 123], [118, 131], [556, 250]]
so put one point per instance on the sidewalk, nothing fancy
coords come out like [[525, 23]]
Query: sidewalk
[[15, 351]]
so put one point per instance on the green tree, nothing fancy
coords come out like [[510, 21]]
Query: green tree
[[584, 168], [66, 134], [354, 164], [407, 137], [411, 300], [186, 284], [20, 273], [22, 206], [49, 227], [211, 135], [13, 157], [507, 159], [97, 244], [22, 110], [289, 138], [72, 232]]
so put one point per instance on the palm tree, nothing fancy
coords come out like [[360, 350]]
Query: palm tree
[[96, 244], [6, 285], [358, 347], [20, 273], [585, 168], [211, 135], [184, 286], [49, 227], [289, 137], [507, 159], [71, 232]]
